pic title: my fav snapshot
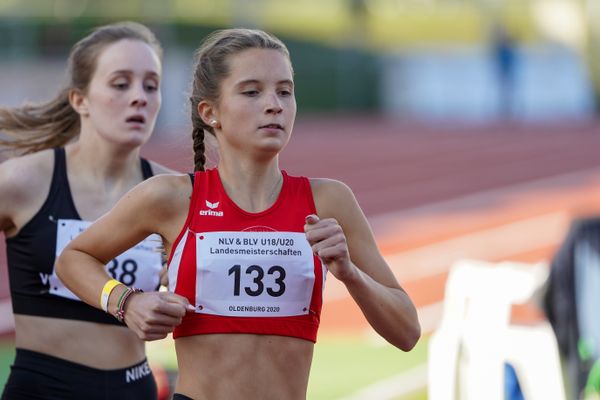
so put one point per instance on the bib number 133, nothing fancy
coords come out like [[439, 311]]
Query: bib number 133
[[253, 274], [257, 285]]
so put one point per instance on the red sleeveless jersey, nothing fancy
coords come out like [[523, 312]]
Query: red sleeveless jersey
[[247, 272]]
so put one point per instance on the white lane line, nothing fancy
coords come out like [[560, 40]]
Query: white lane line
[[406, 382], [557, 183], [393, 387], [496, 243]]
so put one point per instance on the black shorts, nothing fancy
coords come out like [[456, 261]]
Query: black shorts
[[178, 396], [37, 376]]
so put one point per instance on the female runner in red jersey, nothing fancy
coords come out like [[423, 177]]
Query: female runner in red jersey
[[249, 244]]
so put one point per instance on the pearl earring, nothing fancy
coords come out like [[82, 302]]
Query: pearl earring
[[213, 122]]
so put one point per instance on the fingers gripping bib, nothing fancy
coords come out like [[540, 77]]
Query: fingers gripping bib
[[244, 272]]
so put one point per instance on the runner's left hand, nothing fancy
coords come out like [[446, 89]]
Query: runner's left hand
[[328, 241]]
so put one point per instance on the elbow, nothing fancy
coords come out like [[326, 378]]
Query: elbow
[[411, 338], [408, 338], [411, 330], [59, 267]]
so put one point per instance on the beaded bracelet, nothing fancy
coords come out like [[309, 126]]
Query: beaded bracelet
[[120, 315]]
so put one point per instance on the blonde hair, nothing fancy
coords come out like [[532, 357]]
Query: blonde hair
[[211, 68]]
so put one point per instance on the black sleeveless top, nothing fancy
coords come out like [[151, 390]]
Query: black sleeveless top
[[31, 254]]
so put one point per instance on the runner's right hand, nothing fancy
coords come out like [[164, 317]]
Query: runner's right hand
[[154, 315]]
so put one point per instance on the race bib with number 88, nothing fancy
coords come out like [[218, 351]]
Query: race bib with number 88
[[139, 266]]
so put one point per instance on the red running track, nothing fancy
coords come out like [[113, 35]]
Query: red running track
[[437, 193]]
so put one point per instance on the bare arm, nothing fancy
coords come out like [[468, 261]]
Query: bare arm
[[342, 238], [24, 186], [158, 205], [10, 194], [159, 169]]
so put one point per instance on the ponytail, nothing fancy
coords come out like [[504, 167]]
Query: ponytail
[[198, 128], [35, 127], [199, 157]]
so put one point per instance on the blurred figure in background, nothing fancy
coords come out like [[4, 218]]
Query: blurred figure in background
[[82, 155], [505, 60], [250, 245], [571, 304]]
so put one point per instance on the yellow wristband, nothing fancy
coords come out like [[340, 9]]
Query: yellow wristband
[[106, 291]]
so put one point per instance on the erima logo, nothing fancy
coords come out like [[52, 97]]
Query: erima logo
[[210, 211], [135, 373]]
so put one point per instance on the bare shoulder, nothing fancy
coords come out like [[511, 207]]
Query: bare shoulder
[[27, 170], [167, 189], [160, 204], [25, 182], [331, 196]]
